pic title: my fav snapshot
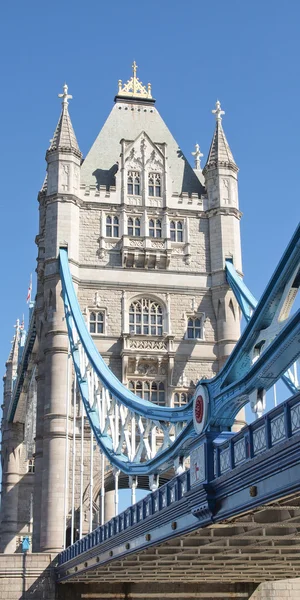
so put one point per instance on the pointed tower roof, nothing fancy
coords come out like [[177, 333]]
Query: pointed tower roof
[[14, 351], [134, 112], [219, 152], [64, 138]]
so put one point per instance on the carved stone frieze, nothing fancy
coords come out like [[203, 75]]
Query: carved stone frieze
[[147, 344], [136, 243], [134, 201], [156, 244]]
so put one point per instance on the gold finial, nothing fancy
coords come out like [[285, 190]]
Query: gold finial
[[134, 88]]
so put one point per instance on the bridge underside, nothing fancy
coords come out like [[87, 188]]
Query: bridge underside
[[259, 545]]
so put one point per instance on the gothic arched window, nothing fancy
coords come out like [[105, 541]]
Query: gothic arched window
[[149, 390], [176, 231], [155, 228], [134, 227], [96, 322], [112, 226], [181, 398], [194, 328], [133, 183], [154, 184], [145, 317]]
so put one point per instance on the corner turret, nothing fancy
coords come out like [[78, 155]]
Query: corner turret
[[220, 174], [63, 156]]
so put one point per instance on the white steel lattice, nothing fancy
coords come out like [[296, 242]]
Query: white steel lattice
[[138, 438]]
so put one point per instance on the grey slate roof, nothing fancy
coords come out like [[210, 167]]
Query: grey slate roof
[[127, 121], [64, 136], [219, 150]]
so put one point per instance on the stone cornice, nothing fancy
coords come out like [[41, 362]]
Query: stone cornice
[[222, 210]]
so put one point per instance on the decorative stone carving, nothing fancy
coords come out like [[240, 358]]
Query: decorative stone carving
[[154, 163], [156, 244], [136, 243], [133, 162], [147, 344], [225, 191], [65, 177], [134, 201], [97, 300], [76, 178], [156, 202], [111, 245]]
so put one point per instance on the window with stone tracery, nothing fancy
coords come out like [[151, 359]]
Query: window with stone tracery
[[133, 183], [181, 398], [155, 228], [112, 226], [134, 227], [176, 231], [96, 322], [145, 317], [154, 184], [195, 328], [149, 390], [30, 465]]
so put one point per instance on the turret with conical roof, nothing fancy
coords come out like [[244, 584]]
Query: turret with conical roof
[[220, 170], [63, 156], [220, 174]]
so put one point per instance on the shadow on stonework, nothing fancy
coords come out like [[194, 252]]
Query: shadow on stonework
[[106, 177]]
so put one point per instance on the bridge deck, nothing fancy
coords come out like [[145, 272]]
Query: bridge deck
[[243, 525]]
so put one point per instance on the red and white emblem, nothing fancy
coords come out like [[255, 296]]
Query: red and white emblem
[[200, 409]]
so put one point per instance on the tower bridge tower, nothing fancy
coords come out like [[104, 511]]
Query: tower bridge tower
[[147, 238]]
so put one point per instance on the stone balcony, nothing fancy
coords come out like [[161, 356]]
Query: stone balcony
[[155, 353], [146, 252]]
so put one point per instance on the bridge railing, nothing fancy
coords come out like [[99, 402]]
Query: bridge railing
[[274, 427], [213, 457]]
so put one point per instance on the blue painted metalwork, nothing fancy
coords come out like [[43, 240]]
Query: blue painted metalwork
[[219, 459], [248, 304], [246, 300], [228, 392]]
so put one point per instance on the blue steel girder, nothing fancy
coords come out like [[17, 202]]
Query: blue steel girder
[[269, 316], [248, 304]]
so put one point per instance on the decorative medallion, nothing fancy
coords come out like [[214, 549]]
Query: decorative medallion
[[200, 409]]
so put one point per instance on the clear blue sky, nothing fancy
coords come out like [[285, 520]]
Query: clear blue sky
[[244, 53]]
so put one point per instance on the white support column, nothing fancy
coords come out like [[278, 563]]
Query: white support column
[[91, 479], [102, 493], [81, 471], [116, 498], [133, 482], [67, 450], [73, 461]]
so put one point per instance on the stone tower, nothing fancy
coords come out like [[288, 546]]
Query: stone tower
[[147, 239]]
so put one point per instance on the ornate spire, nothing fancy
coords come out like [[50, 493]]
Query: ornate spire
[[198, 155], [64, 138], [13, 355], [219, 152], [217, 111], [134, 87]]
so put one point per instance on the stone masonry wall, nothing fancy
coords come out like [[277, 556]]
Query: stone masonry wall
[[288, 589], [29, 577]]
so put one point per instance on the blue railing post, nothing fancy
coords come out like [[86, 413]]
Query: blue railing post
[[287, 419]]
